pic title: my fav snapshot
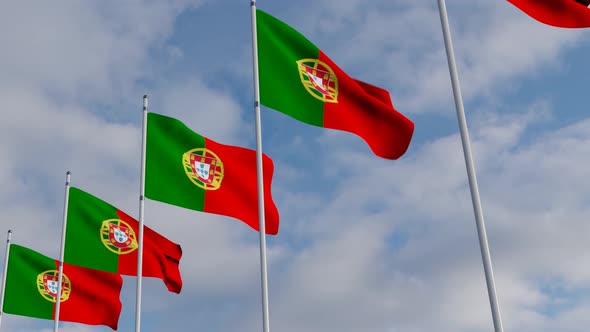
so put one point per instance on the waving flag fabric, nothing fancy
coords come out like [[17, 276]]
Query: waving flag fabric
[[87, 296], [559, 13], [102, 237], [188, 170], [298, 79]]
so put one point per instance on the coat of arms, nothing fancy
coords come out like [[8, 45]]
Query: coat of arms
[[204, 168], [118, 237], [319, 80], [47, 284]]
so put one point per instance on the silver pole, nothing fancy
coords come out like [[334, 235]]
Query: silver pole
[[479, 221], [4, 275], [141, 209], [61, 254], [261, 224]]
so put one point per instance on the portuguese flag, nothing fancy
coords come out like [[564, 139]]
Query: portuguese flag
[[102, 237], [559, 13], [188, 170], [298, 79], [88, 296]]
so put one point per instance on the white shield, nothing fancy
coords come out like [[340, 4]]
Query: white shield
[[203, 170], [120, 236], [52, 287], [320, 83]]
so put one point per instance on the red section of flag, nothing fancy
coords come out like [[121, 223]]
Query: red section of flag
[[238, 194], [93, 298], [559, 13], [161, 257], [367, 111]]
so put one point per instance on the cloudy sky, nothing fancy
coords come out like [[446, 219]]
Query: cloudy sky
[[365, 244]]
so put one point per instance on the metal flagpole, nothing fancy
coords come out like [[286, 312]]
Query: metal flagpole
[[4, 275], [61, 253], [261, 224], [141, 209], [481, 230]]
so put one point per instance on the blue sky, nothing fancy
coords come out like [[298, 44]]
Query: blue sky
[[365, 244]]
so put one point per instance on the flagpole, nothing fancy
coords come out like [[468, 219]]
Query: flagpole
[[4, 275], [61, 253], [477, 209], [261, 223], [141, 209]]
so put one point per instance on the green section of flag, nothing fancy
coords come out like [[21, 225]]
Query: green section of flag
[[22, 296], [165, 178], [279, 49], [84, 246]]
